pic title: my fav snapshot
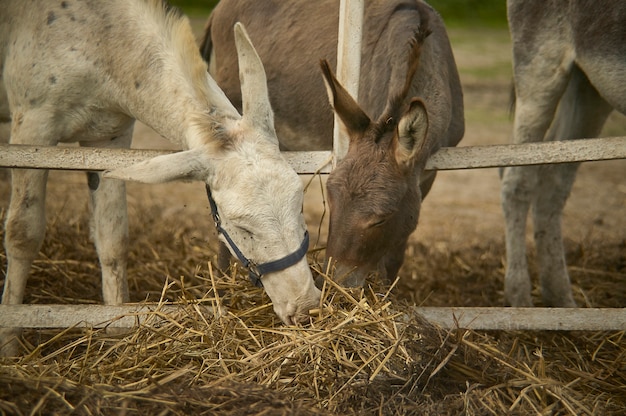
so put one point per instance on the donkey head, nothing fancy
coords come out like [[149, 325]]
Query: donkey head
[[258, 194], [374, 194]]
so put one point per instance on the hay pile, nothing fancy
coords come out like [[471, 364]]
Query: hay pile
[[363, 353], [360, 355]]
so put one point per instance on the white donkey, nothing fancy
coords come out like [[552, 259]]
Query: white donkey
[[84, 71], [569, 61]]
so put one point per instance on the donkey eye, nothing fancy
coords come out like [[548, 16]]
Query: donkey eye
[[246, 231], [378, 223]]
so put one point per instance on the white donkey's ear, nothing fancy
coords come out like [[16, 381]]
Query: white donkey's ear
[[187, 165], [254, 93], [218, 98]]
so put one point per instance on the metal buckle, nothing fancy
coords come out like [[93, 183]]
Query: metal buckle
[[216, 219], [254, 273], [254, 268]]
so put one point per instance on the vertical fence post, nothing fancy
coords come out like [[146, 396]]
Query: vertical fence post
[[348, 62]]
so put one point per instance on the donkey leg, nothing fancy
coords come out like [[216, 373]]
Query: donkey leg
[[517, 191], [25, 230], [25, 225], [581, 114], [109, 231], [554, 187], [109, 228], [541, 72]]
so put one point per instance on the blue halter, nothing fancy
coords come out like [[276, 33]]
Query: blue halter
[[256, 271]]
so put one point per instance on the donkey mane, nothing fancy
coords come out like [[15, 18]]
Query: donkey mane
[[184, 63], [396, 103], [387, 122], [213, 127], [180, 37]]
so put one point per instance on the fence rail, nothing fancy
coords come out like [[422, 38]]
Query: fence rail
[[447, 158], [485, 318]]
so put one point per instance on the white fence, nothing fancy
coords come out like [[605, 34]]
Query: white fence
[[75, 158]]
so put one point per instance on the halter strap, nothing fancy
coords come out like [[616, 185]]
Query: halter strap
[[256, 271]]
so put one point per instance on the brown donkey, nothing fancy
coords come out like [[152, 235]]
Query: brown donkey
[[410, 104]]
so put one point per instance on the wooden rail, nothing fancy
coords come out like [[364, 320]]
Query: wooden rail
[[486, 318], [448, 158]]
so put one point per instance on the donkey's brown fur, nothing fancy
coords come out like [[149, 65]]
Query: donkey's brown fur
[[409, 104]]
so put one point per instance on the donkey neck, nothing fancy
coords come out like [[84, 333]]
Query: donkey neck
[[147, 74]]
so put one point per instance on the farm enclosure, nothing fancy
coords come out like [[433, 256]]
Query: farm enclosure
[[455, 258]]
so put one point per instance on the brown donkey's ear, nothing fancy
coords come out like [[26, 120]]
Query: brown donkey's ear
[[412, 131], [352, 116]]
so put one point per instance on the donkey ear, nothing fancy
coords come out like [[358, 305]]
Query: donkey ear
[[254, 93], [412, 131], [219, 99], [188, 165], [352, 116]]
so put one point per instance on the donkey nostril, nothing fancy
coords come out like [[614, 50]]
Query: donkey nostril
[[352, 280], [298, 318]]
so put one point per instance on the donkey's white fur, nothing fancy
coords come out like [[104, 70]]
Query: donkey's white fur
[[570, 73], [83, 71]]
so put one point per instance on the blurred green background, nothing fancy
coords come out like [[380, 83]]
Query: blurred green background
[[491, 13], [195, 8]]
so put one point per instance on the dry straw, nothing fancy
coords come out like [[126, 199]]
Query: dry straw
[[360, 354]]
